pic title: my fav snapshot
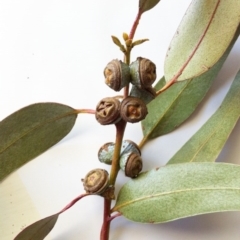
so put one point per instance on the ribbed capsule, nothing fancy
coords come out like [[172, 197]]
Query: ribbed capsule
[[105, 153], [108, 111], [117, 74], [133, 109], [96, 181], [143, 72], [131, 164]]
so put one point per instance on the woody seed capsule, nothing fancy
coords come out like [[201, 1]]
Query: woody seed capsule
[[143, 72], [131, 164], [108, 111], [96, 181], [105, 153], [117, 74], [133, 109], [129, 146]]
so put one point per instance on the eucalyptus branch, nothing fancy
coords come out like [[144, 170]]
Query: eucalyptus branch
[[90, 111], [75, 200], [114, 216], [197, 54], [166, 86], [120, 127], [135, 24]]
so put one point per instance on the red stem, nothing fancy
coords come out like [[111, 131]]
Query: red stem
[[135, 24], [165, 87], [126, 90], [114, 216], [120, 126], [106, 223], [73, 202], [107, 218]]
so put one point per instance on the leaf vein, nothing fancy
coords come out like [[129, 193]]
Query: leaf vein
[[180, 71], [169, 193]]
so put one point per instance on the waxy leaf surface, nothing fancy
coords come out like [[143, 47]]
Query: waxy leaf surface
[[177, 103], [204, 34], [145, 5], [180, 190], [207, 143], [30, 131], [38, 230]]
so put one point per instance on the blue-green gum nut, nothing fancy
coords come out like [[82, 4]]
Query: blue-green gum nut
[[105, 153], [134, 72], [117, 74], [129, 146], [131, 164], [143, 72], [146, 94]]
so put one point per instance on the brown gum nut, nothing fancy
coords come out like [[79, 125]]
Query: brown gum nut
[[117, 74], [96, 181], [147, 70], [131, 164], [143, 72], [108, 111], [133, 109]]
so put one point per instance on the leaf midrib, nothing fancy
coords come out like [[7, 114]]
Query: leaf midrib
[[180, 71], [169, 193]]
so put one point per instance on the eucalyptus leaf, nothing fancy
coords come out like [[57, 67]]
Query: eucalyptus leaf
[[38, 230], [207, 143], [202, 37], [180, 190], [30, 131], [177, 103], [145, 5]]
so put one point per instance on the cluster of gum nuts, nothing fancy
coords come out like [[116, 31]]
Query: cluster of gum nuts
[[141, 74]]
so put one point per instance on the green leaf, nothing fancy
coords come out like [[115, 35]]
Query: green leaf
[[180, 190], [204, 34], [38, 230], [206, 144], [145, 5], [30, 131], [177, 103]]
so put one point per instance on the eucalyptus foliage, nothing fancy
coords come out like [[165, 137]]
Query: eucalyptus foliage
[[191, 183]]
